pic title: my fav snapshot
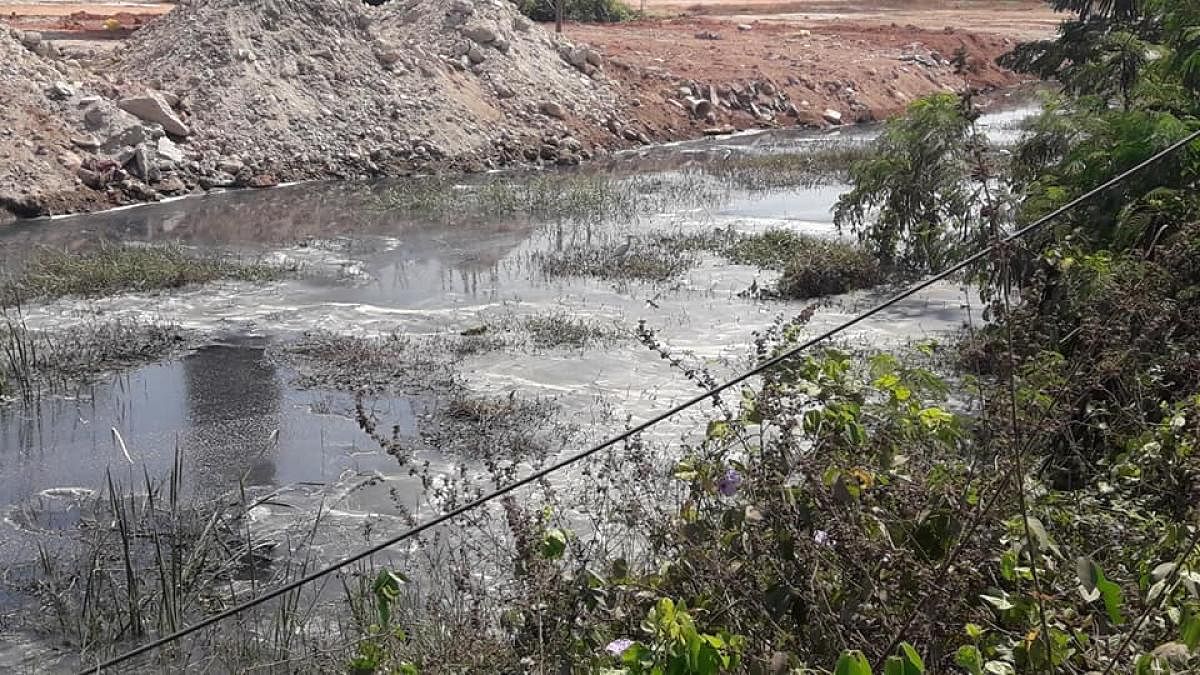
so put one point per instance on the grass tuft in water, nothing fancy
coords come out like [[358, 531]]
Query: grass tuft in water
[[822, 164], [644, 263], [550, 197], [112, 269], [32, 362], [809, 266]]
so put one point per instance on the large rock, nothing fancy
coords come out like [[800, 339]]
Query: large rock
[[168, 150], [832, 116], [481, 33], [131, 136], [60, 91], [152, 108], [552, 109]]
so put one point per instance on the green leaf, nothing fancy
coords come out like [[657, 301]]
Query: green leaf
[[1189, 629], [717, 429], [386, 589], [999, 668], [1038, 531], [913, 663], [1112, 598], [1000, 602], [852, 662], [1148, 665], [554, 543], [969, 659]]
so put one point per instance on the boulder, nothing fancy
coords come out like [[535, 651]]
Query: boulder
[[70, 160], [152, 108], [171, 99], [85, 141], [744, 27], [583, 58], [131, 136], [480, 33], [144, 163], [170, 184], [389, 55], [60, 91], [552, 109], [475, 54], [94, 179], [832, 116], [700, 107], [503, 90], [263, 180], [167, 149], [31, 39]]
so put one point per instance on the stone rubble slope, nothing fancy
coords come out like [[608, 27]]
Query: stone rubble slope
[[291, 89], [40, 94]]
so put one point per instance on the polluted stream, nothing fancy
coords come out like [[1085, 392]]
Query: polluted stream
[[270, 391]]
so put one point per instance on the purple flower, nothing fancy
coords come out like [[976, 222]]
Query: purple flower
[[618, 647], [729, 483]]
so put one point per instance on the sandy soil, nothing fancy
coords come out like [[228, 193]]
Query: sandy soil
[[1017, 19], [863, 71]]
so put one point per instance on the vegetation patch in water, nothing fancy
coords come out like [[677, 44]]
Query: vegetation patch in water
[[35, 361], [353, 363], [548, 197], [826, 163], [632, 262], [809, 266], [496, 428], [550, 330], [112, 269]]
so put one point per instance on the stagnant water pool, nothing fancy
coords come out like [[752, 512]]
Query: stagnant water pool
[[233, 410]]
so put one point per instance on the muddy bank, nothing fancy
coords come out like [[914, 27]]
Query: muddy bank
[[220, 94]]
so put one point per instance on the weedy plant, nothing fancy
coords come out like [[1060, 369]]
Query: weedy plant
[[118, 268]]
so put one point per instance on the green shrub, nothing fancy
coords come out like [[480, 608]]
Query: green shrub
[[810, 266], [598, 11]]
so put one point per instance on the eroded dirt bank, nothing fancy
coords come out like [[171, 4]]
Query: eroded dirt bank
[[228, 93]]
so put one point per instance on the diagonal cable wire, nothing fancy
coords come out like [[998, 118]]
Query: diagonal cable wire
[[643, 426]]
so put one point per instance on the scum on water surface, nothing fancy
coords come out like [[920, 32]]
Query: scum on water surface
[[465, 328]]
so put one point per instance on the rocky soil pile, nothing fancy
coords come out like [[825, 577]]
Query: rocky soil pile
[[236, 93], [37, 158], [289, 89]]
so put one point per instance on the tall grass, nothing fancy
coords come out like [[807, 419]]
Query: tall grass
[[118, 268], [36, 361]]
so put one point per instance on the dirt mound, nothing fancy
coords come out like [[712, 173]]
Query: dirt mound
[[37, 165], [289, 89]]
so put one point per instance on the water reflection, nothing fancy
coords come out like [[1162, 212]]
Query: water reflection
[[233, 406]]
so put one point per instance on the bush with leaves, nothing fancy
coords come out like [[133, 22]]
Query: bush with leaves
[[926, 193], [593, 11]]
